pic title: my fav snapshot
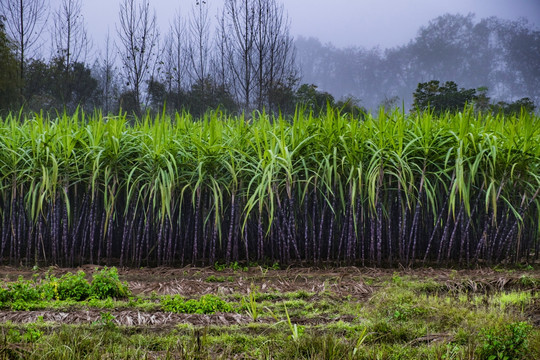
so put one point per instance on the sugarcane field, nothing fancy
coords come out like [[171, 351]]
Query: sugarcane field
[[269, 180], [392, 235]]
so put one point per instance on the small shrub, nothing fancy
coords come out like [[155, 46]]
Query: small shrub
[[396, 279], [507, 343], [220, 279], [49, 288], [403, 312], [73, 286], [219, 267], [4, 296], [232, 266], [106, 321], [528, 281], [13, 336], [23, 291], [106, 283], [32, 334]]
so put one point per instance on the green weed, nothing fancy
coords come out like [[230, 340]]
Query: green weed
[[106, 283], [250, 303], [106, 321], [207, 304], [507, 343]]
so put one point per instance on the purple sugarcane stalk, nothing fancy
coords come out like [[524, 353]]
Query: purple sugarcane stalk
[[379, 232], [454, 231], [231, 229], [292, 228], [196, 228]]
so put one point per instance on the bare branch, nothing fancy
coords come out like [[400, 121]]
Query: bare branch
[[25, 21], [138, 36]]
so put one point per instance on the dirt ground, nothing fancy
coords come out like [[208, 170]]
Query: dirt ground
[[355, 284]]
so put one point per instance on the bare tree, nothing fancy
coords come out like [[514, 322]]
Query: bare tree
[[105, 74], [240, 18], [261, 46], [274, 50], [70, 38], [261, 49], [221, 55], [71, 43], [25, 21], [176, 59], [199, 44], [138, 37]]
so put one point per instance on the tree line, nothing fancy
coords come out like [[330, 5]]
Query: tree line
[[491, 55], [248, 60]]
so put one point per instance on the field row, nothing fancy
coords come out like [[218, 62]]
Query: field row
[[391, 189]]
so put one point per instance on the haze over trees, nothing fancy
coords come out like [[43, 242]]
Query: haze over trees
[[501, 55], [245, 59]]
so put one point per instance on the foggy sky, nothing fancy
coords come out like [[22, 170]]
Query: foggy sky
[[365, 23]]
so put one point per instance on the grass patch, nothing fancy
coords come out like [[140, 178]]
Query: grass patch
[[405, 316]]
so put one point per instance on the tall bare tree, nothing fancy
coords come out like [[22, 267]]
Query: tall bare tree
[[70, 37], [176, 55], [104, 72], [71, 43], [240, 25], [138, 36], [199, 44], [274, 48], [221, 55], [261, 49], [24, 24]]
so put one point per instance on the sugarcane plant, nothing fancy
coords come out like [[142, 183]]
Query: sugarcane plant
[[390, 188]]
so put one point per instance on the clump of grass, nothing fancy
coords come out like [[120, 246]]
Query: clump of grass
[[517, 299], [207, 304], [249, 303], [219, 279]]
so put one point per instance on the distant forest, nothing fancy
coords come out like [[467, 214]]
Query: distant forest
[[247, 60], [500, 56]]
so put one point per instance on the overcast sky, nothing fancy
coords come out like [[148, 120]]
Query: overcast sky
[[364, 23]]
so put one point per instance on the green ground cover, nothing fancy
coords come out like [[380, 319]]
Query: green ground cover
[[264, 313]]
